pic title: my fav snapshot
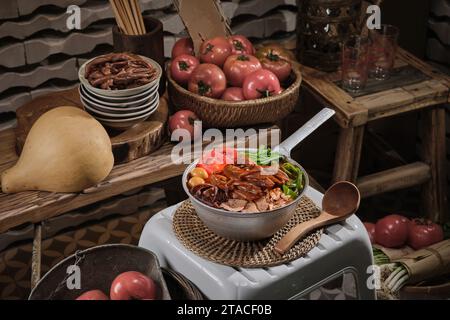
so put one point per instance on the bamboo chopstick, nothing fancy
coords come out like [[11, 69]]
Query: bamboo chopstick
[[124, 16], [118, 17], [141, 18], [134, 12], [128, 16]]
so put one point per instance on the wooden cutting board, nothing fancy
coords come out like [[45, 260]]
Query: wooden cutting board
[[138, 141]]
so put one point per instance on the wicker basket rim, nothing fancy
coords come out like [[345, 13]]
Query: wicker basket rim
[[241, 104]]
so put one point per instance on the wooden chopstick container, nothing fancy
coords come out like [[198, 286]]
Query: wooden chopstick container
[[149, 45]]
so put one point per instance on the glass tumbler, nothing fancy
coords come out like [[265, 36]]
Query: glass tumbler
[[355, 58], [383, 49]]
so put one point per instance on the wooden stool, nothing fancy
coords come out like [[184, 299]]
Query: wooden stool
[[414, 86]]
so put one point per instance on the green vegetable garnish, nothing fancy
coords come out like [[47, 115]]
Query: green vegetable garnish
[[295, 185], [264, 156]]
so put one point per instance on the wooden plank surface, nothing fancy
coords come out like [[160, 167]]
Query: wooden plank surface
[[348, 112], [35, 206], [404, 99]]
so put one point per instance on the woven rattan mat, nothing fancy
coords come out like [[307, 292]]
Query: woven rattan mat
[[195, 236]]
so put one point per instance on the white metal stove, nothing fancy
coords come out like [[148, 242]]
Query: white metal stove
[[344, 251]]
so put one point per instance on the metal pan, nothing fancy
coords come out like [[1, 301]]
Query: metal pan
[[256, 226]]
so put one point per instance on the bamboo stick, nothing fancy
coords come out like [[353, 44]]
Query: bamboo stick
[[134, 15], [129, 14], [119, 20], [125, 18], [141, 18]]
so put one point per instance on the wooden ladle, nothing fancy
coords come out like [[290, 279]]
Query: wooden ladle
[[339, 202]]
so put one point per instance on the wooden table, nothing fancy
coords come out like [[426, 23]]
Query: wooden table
[[36, 206], [415, 86]]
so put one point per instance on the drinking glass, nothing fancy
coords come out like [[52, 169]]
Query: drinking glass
[[355, 58], [383, 49]]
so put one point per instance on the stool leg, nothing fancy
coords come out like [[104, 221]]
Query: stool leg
[[348, 154], [36, 255], [434, 192]]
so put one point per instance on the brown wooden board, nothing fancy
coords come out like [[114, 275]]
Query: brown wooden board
[[136, 142]]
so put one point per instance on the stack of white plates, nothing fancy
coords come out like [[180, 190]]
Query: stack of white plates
[[120, 109]]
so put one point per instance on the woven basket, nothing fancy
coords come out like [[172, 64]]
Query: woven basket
[[225, 114]]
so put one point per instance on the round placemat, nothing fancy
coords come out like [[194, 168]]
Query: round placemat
[[195, 236]]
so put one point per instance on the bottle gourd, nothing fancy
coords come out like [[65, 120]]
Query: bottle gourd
[[66, 150]]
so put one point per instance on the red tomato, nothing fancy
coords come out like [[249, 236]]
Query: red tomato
[[183, 119], [237, 67], [215, 51], [183, 46], [133, 285], [217, 159], [273, 62], [370, 228], [423, 233], [276, 49], [233, 94], [261, 84], [241, 45], [93, 295], [392, 231], [182, 67], [208, 80]]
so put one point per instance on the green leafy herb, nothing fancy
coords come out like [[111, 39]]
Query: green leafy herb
[[264, 156]]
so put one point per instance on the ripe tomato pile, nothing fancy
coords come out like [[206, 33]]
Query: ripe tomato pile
[[130, 285], [229, 68], [395, 231]]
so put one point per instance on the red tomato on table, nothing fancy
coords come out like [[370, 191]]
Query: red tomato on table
[[423, 233], [208, 80], [183, 119], [392, 231], [261, 84], [215, 51], [370, 228], [238, 67]]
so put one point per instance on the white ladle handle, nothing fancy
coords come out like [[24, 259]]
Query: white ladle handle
[[287, 145]]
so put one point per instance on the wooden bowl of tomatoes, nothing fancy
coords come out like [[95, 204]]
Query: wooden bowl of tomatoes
[[230, 84], [107, 272]]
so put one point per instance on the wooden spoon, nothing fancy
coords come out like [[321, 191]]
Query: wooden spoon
[[339, 202]]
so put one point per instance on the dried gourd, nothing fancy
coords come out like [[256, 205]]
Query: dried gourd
[[66, 150]]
